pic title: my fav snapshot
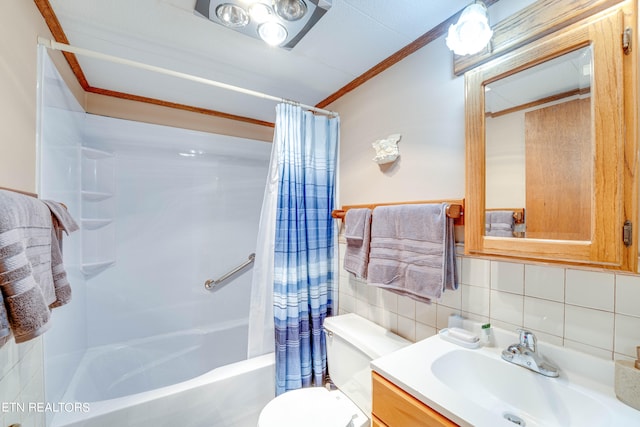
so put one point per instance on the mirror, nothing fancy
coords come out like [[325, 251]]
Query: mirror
[[551, 149], [539, 145]]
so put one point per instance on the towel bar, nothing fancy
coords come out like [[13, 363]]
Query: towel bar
[[211, 284], [455, 210]]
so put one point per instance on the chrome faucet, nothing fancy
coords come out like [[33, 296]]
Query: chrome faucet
[[525, 354]]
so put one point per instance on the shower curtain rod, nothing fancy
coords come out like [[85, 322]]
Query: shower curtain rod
[[54, 45]]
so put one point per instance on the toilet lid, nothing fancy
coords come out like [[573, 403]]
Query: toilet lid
[[308, 407]]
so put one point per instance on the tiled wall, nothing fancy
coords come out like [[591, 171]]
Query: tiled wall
[[21, 383], [592, 311]]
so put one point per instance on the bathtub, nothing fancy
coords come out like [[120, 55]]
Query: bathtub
[[181, 379]]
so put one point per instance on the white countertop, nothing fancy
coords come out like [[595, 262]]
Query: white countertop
[[580, 375]]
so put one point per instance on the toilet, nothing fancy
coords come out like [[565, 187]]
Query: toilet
[[352, 343]]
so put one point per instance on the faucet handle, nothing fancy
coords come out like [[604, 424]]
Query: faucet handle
[[528, 339]]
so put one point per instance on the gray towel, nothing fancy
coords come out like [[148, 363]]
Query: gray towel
[[413, 251], [61, 285], [499, 223], [62, 220], [5, 332], [26, 280], [357, 231], [60, 212]]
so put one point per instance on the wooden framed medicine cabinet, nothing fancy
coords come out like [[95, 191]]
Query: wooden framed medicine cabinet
[[572, 163]]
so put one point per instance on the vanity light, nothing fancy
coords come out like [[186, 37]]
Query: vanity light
[[272, 33], [290, 10], [232, 15], [472, 32]]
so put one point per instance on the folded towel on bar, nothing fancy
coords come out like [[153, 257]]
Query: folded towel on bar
[[62, 215], [357, 232], [62, 220], [413, 250], [61, 285], [499, 223], [27, 284], [5, 331]]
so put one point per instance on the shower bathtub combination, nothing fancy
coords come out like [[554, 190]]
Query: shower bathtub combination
[[226, 395], [161, 211]]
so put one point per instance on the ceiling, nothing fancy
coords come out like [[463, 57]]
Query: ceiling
[[563, 77], [351, 38]]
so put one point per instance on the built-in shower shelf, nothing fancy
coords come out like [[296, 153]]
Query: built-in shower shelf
[[95, 223], [92, 268], [94, 154], [95, 196]]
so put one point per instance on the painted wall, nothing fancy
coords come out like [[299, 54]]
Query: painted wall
[[20, 26], [21, 365], [420, 98], [505, 167]]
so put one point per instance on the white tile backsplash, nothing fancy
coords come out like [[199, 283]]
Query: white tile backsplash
[[628, 295], [406, 307], [544, 315], [589, 326], [507, 307], [599, 313], [475, 300], [427, 313], [627, 336], [22, 380], [476, 272], [451, 299], [542, 281], [389, 301], [507, 277], [407, 328], [592, 289], [442, 316], [424, 331]]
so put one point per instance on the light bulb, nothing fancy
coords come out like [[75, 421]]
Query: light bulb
[[290, 10], [232, 15], [260, 12], [472, 31], [272, 33]]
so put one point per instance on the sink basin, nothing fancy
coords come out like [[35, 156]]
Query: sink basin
[[516, 393], [475, 387]]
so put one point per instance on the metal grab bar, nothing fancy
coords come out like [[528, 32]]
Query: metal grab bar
[[211, 284]]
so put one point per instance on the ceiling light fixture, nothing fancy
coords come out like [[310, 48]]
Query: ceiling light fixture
[[290, 20], [290, 10], [472, 32], [232, 15]]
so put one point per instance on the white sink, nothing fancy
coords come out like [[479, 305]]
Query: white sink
[[476, 387], [513, 391]]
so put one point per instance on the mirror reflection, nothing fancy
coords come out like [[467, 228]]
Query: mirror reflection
[[539, 150]]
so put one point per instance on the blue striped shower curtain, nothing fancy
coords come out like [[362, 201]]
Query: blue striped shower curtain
[[305, 241]]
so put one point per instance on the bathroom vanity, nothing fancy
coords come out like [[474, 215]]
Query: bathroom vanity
[[438, 383], [393, 407]]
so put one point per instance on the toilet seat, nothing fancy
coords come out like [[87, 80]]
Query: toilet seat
[[312, 407]]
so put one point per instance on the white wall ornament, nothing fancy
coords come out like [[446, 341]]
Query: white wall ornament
[[387, 149]]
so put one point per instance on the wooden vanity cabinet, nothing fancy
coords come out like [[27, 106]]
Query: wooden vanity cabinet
[[393, 407]]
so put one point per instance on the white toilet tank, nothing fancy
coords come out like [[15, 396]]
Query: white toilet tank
[[352, 343]]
